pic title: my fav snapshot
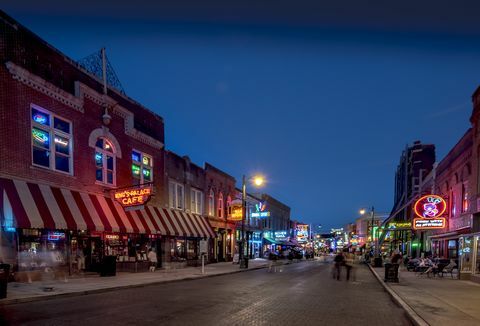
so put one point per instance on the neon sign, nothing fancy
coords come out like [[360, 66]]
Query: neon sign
[[302, 232], [260, 210], [280, 235], [237, 213], [399, 225], [40, 136], [56, 236], [429, 223], [133, 196], [430, 206], [61, 141], [429, 210], [40, 118]]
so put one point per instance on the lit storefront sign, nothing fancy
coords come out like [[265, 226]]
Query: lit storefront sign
[[112, 237], [133, 196], [302, 233], [429, 210], [429, 223], [55, 236], [260, 210], [399, 225], [237, 213], [281, 235]]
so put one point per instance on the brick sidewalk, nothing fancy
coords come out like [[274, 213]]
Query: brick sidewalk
[[24, 292], [438, 301]]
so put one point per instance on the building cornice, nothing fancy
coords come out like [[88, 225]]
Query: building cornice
[[41, 85], [76, 101]]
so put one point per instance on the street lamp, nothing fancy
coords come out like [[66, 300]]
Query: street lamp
[[258, 181], [372, 212]]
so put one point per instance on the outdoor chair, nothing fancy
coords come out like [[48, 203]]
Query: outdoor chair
[[420, 270], [447, 270]]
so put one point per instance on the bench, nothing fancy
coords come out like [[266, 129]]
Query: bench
[[447, 270]]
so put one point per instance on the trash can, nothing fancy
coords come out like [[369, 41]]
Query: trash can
[[109, 266], [244, 262], [4, 275], [391, 272]]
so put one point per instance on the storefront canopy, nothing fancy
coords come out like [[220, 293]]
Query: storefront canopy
[[31, 205]]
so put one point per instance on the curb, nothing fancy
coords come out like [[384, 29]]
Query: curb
[[412, 315], [4, 302]]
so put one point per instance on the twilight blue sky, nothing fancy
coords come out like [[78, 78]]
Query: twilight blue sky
[[320, 97]]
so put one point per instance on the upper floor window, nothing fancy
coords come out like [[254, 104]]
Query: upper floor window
[[142, 167], [464, 198], [105, 161], [196, 199], [176, 195], [229, 205], [220, 205], [211, 202], [51, 141], [453, 208]]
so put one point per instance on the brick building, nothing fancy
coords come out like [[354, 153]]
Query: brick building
[[186, 184], [416, 162], [220, 192], [456, 179], [68, 143]]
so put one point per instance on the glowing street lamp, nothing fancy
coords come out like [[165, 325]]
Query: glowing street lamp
[[257, 181]]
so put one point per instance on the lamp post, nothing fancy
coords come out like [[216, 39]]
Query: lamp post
[[258, 181], [373, 245]]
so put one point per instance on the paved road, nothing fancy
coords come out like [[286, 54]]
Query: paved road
[[302, 294]]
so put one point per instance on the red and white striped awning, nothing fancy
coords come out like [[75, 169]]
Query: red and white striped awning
[[32, 205]]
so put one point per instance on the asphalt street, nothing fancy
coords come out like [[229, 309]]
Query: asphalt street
[[302, 294]]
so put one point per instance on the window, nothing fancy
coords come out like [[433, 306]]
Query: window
[[196, 199], [464, 198], [176, 195], [51, 141], [220, 205], [105, 161], [142, 167], [211, 202], [229, 206]]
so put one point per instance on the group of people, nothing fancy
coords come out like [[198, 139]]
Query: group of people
[[427, 265], [343, 260]]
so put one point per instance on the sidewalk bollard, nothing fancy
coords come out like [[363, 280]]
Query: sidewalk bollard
[[203, 264]]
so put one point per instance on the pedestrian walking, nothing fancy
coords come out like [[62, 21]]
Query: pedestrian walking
[[349, 265], [152, 257], [339, 261], [272, 260]]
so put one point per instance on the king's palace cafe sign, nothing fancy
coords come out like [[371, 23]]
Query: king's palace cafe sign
[[135, 197]]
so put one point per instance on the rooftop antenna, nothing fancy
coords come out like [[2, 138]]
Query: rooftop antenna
[[106, 118]]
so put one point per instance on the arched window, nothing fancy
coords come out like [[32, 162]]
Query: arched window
[[229, 205], [464, 197], [105, 161], [453, 208], [211, 202], [220, 205]]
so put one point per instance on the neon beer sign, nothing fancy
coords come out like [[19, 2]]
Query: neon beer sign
[[429, 210], [133, 196]]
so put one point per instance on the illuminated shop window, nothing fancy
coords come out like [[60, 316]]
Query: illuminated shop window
[[196, 201], [105, 162], [51, 141], [142, 167]]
